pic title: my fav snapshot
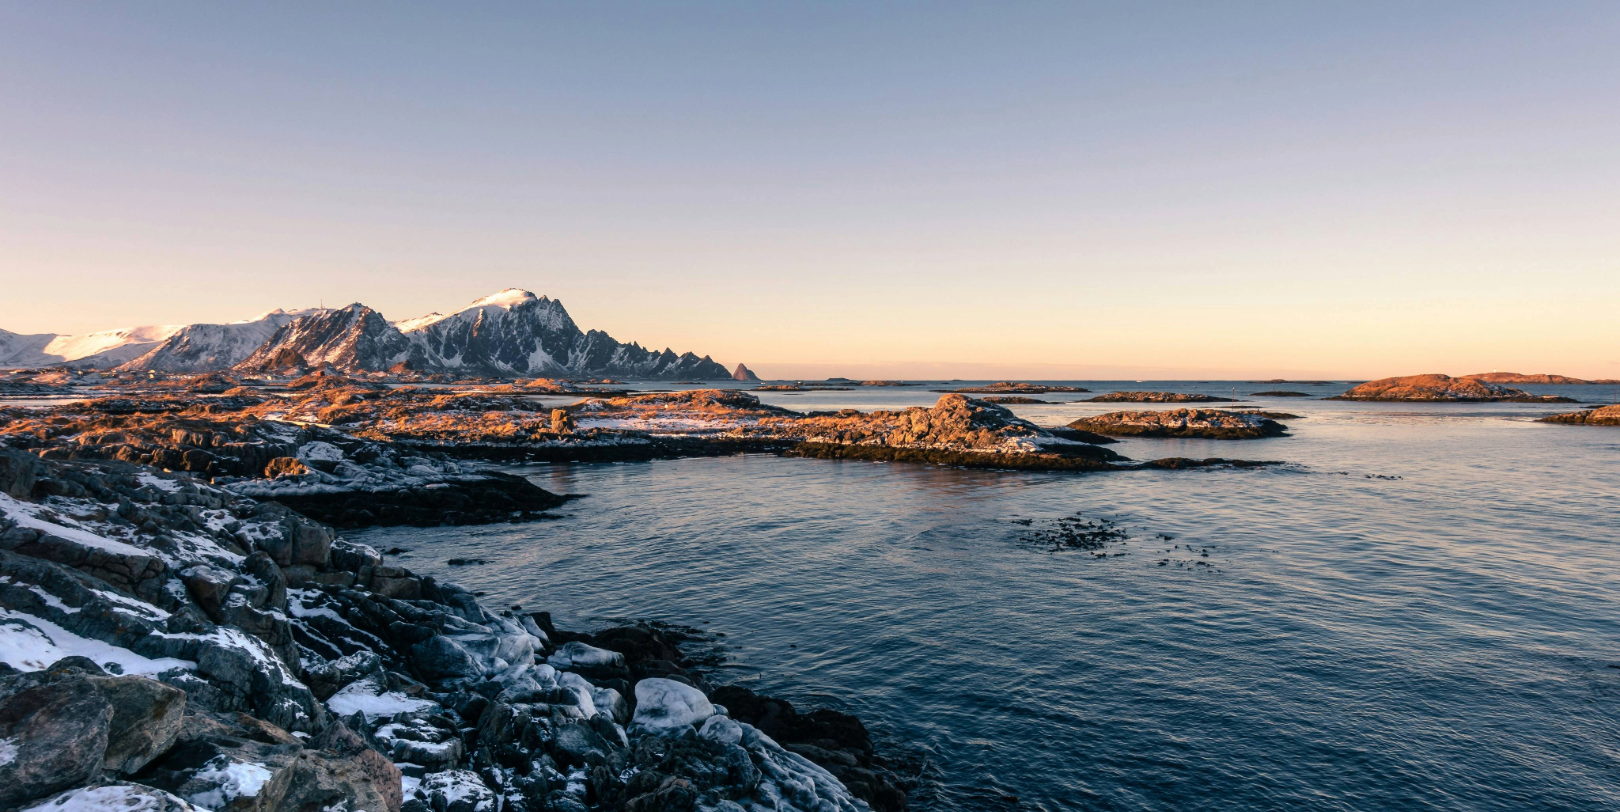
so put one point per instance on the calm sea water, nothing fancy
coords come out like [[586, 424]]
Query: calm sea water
[[1420, 612]]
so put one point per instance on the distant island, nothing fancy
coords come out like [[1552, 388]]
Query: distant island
[[1436, 388], [1541, 378]]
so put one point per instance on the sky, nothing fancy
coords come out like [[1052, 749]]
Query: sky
[[1041, 190]]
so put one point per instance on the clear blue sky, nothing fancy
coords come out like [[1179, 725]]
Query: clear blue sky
[[1348, 189]]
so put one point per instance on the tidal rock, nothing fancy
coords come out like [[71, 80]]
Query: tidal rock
[[1207, 424], [663, 704], [1157, 397], [1605, 416]]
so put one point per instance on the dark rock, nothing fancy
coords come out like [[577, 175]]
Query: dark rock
[[59, 734], [19, 472], [440, 658], [145, 722]]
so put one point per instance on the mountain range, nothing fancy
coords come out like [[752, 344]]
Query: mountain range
[[513, 333]]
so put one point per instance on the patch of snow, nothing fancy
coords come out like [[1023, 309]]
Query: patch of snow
[[8, 751], [320, 452], [368, 697], [231, 780], [134, 607], [158, 482], [30, 643], [452, 786], [113, 798], [23, 514], [51, 600]]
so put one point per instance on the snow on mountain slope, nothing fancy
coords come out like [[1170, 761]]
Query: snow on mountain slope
[[351, 339], [515, 332], [108, 348], [209, 347], [24, 350]]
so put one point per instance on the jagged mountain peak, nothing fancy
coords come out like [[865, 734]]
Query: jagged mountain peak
[[352, 339], [507, 298]]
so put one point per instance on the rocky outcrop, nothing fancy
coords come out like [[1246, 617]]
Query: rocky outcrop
[[1442, 389], [329, 475], [743, 373], [1206, 424], [1157, 397], [1603, 416], [488, 497]]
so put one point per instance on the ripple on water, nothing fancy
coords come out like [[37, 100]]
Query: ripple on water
[[1439, 641]]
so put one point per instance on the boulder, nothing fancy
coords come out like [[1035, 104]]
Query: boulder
[[145, 722], [440, 658], [663, 704], [456, 791], [52, 736], [210, 587]]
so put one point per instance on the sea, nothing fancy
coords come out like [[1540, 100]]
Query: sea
[[1418, 610]]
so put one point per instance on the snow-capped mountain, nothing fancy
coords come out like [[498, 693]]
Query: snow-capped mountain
[[209, 347], [509, 334], [108, 348], [514, 332], [351, 339], [24, 349]]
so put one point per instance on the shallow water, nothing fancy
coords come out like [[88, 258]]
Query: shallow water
[[1421, 611]]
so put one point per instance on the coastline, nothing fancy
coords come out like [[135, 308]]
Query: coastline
[[243, 616]]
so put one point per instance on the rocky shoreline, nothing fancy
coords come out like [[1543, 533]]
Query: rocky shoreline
[[356, 454], [171, 644]]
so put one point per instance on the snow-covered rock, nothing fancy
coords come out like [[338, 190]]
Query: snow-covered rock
[[663, 704]]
